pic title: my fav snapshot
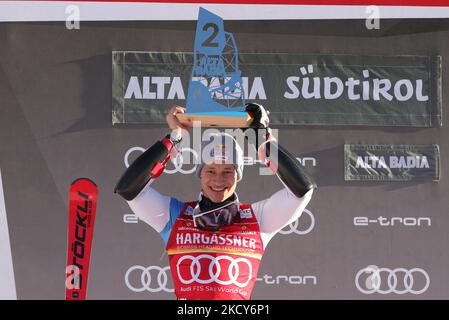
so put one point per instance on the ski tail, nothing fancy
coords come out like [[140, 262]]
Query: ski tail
[[83, 195]]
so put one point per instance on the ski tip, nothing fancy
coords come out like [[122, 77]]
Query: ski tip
[[83, 179]]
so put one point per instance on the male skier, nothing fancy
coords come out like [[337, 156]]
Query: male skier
[[215, 244]]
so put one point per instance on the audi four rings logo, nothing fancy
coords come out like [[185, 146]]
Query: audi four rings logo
[[233, 270], [147, 282], [178, 160], [293, 227], [373, 279]]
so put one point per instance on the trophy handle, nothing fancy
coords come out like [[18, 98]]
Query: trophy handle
[[236, 120]]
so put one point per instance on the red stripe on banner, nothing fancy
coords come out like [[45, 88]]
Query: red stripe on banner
[[428, 3]]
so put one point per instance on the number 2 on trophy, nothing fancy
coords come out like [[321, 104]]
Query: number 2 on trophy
[[209, 41]]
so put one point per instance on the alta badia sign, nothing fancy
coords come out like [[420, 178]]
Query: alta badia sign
[[297, 89]]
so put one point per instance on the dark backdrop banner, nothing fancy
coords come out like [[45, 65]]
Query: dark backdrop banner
[[318, 89], [355, 240]]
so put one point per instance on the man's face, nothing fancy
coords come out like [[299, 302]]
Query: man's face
[[218, 181]]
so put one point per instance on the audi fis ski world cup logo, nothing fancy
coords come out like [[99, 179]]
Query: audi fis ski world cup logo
[[152, 279], [373, 279], [228, 270]]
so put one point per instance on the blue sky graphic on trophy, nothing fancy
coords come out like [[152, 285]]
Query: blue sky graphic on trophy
[[215, 84]]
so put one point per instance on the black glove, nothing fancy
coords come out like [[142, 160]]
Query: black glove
[[259, 114], [260, 120]]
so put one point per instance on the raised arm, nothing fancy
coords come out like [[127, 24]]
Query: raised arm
[[286, 205], [151, 163], [148, 204], [148, 166]]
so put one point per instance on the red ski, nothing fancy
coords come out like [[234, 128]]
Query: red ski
[[83, 195]]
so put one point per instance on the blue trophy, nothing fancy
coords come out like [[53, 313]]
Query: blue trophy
[[215, 95]]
